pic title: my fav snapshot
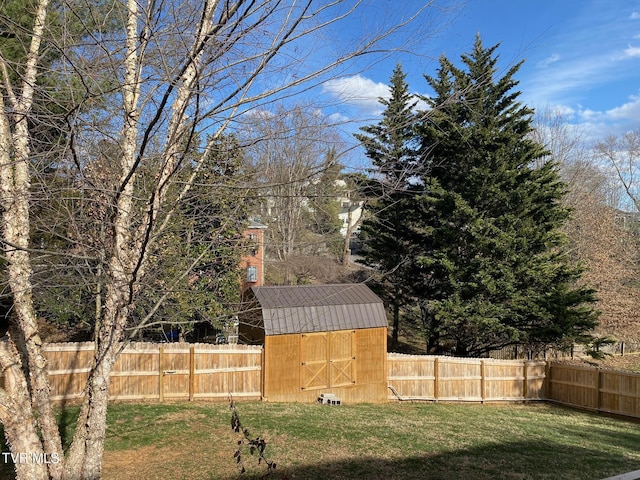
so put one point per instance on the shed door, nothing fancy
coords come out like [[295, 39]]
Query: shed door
[[341, 358], [315, 352], [327, 359]]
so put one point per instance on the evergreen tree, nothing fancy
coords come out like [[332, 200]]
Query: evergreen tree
[[206, 241], [487, 226], [59, 91], [392, 148]]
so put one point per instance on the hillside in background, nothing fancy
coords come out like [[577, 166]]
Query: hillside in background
[[607, 244]]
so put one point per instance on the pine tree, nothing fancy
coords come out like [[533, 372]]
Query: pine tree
[[390, 144], [392, 148], [205, 239], [487, 225]]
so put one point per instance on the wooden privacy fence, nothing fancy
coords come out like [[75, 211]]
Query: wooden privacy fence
[[149, 371], [421, 377], [595, 389]]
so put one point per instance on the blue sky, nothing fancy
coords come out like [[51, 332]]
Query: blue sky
[[582, 58]]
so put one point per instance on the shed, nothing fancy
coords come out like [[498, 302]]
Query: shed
[[318, 339]]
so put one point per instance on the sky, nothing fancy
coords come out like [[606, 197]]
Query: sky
[[581, 59]]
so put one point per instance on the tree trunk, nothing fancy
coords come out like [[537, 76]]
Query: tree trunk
[[19, 274], [16, 222], [30, 395], [18, 421], [396, 325], [84, 460]]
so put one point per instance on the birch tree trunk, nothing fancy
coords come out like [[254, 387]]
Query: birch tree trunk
[[28, 391], [85, 454]]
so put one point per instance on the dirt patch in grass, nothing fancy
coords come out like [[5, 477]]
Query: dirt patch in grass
[[190, 445], [204, 450], [187, 417], [177, 458], [133, 463]]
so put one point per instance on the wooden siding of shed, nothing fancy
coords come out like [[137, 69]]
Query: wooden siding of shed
[[283, 378], [281, 366]]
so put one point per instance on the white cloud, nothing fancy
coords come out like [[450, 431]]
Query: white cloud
[[629, 111], [596, 124], [548, 61], [363, 93], [422, 105], [359, 91], [632, 52], [563, 111], [635, 16], [338, 118]]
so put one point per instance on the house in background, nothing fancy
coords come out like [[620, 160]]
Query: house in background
[[252, 265], [252, 274], [351, 210], [318, 339]]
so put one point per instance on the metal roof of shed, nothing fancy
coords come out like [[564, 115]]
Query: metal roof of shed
[[319, 308]]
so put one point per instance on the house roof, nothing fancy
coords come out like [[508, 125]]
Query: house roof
[[319, 308], [254, 224]]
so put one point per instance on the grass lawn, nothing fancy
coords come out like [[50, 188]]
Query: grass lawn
[[393, 441]]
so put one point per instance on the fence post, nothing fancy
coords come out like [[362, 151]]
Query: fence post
[[547, 380], [435, 379], [598, 382], [160, 374], [262, 370], [525, 386], [192, 380], [482, 380]]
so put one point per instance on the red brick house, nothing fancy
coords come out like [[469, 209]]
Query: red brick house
[[252, 265]]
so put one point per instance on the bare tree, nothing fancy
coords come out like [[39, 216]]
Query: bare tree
[[23, 394], [586, 180], [179, 70], [597, 239], [291, 150], [623, 154]]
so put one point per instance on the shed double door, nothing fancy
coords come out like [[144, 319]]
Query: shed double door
[[327, 359]]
